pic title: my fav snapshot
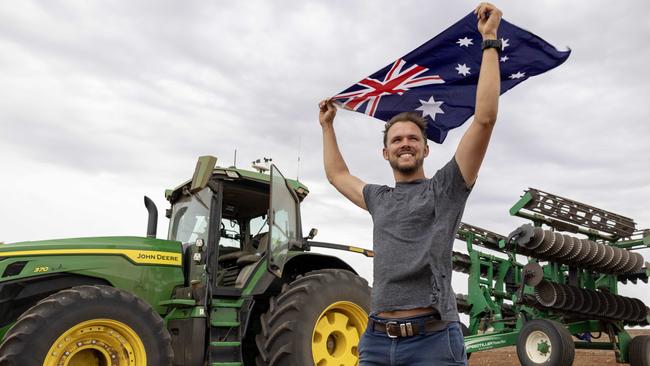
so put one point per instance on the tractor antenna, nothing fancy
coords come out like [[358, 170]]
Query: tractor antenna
[[234, 160], [299, 148]]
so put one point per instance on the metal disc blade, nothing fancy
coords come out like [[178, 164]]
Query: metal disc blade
[[587, 303], [618, 256], [571, 299], [562, 295], [547, 243], [593, 252], [620, 307], [585, 249], [641, 311], [607, 258], [603, 304], [629, 308], [631, 264], [575, 252], [533, 274], [567, 247], [546, 294], [597, 304], [600, 255], [612, 305], [640, 262], [558, 245], [625, 258]]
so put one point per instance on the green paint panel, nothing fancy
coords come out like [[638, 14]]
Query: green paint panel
[[225, 344], [490, 341], [224, 315], [226, 364], [521, 203], [107, 242], [152, 283]]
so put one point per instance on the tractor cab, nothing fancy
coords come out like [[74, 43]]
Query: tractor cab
[[229, 219]]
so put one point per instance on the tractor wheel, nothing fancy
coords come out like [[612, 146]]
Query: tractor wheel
[[318, 319], [545, 342], [639, 351], [88, 326]]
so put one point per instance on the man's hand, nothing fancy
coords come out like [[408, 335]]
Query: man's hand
[[327, 112], [489, 17]]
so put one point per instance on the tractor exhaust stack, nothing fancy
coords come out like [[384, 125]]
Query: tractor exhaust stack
[[152, 224]]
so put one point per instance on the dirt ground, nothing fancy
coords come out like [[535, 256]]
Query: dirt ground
[[508, 356]]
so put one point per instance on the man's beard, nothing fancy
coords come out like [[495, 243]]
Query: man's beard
[[406, 169]]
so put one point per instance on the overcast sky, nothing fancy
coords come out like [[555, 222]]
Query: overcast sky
[[104, 102]]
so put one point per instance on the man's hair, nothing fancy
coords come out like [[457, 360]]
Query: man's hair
[[407, 117]]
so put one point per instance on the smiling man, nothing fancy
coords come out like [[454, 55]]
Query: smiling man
[[414, 320]]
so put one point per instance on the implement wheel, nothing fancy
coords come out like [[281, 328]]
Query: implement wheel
[[318, 319], [639, 351], [88, 326], [545, 342]]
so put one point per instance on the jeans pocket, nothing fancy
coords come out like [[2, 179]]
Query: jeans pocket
[[456, 342]]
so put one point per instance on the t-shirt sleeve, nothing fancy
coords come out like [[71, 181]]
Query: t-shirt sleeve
[[371, 195], [449, 182]]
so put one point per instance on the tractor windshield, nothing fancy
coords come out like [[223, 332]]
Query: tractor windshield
[[190, 217]]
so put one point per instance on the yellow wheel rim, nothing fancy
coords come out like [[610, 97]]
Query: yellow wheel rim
[[336, 334], [97, 342]]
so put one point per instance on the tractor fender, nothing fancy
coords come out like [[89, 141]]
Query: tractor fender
[[304, 262], [19, 295]]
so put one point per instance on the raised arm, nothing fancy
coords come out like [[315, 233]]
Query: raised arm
[[474, 143], [335, 168]]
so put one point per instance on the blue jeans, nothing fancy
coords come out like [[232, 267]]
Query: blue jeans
[[444, 347]]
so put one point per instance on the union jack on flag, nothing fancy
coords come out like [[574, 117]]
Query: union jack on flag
[[396, 81], [439, 78]]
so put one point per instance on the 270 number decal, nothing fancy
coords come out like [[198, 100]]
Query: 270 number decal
[[41, 269]]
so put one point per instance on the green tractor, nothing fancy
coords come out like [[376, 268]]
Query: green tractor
[[234, 284]]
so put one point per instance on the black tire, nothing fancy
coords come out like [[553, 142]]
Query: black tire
[[92, 315], [548, 334], [639, 351], [290, 329]]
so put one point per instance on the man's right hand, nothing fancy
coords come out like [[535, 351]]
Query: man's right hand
[[335, 168], [327, 112]]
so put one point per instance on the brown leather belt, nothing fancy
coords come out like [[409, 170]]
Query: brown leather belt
[[395, 328]]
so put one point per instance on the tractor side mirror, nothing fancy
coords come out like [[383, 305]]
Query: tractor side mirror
[[312, 233]]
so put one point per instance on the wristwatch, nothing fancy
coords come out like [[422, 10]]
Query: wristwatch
[[492, 43]]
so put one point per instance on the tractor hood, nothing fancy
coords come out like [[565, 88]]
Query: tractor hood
[[140, 250]]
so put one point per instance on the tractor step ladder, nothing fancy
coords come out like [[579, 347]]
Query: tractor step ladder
[[225, 333]]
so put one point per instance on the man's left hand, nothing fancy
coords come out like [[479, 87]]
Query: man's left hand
[[489, 17]]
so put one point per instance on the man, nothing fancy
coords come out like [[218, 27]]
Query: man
[[414, 320]]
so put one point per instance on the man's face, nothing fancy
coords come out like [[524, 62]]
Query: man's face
[[405, 148]]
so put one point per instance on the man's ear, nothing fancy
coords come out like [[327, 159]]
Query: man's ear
[[426, 149], [385, 153]]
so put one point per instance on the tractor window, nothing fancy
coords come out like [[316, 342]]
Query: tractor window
[[230, 234], [190, 216], [259, 225]]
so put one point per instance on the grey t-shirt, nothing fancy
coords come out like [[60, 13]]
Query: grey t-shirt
[[414, 228]]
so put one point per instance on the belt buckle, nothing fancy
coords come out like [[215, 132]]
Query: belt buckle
[[388, 326]]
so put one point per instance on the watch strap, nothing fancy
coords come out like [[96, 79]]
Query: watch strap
[[492, 43]]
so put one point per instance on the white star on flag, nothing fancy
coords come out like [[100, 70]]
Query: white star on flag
[[465, 41], [518, 75], [463, 69], [504, 43], [430, 107], [504, 58]]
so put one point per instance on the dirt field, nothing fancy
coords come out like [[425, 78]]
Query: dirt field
[[508, 356]]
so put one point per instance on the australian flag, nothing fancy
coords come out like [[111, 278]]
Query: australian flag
[[439, 78]]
